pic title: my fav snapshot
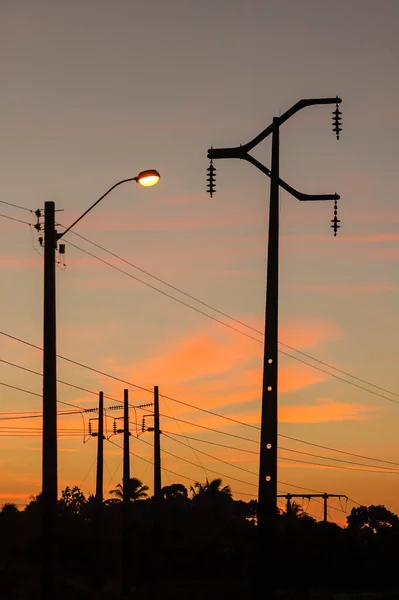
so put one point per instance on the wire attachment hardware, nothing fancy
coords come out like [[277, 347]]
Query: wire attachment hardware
[[337, 118], [335, 220], [211, 179]]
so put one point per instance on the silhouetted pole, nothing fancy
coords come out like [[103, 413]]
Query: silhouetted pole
[[267, 506], [267, 493], [49, 457], [98, 520], [157, 574], [126, 495], [49, 437], [325, 498], [100, 451], [157, 448]]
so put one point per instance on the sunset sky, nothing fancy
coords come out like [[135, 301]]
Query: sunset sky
[[94, 92]]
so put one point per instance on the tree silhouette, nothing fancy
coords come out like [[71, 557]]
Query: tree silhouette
[[72, 500], [211, 488], [136, 491], [374, 518]]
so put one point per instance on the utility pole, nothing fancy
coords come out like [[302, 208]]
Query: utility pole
[[126, 495], [49, 444], [98, 521], [324, 496], [267, 502], [157, 448], [267, 492], [100, 451], [49, 439], [157, 575]]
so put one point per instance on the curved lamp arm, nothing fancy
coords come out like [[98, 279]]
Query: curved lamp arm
[[60, 235]]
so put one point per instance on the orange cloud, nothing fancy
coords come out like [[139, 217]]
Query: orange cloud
[[214, 368], [324, 411]]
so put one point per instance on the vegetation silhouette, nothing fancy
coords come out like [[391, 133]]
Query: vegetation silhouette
[[208, 540]]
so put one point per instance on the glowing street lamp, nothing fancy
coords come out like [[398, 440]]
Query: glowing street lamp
[[49, 465]]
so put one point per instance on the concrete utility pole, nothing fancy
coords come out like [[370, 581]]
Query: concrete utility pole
[[126, 495], [267, 491], [100, 452], [157, 448], [49, 444], [309, 496], [157, 498], [49, 440]]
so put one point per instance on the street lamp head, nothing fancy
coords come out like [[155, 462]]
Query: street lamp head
[[148, 178]]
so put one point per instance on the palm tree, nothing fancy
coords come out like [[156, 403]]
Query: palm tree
[[294, 510], [136, 491], [211, 488]]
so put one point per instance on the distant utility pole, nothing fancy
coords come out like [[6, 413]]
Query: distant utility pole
[[157, 448], [267, 491], [126, 495], [309, 496], [100, 452], [98, 515], [157, 537]]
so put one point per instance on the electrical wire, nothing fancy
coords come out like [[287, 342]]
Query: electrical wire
[[16, 206], [297, 460], [169, 470], [16, 220], [279, 448], [194, 407], [196, 465], [238, 321], [213, 457]]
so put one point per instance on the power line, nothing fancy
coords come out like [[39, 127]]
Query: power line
[[77, 387], [213, 457], [169, 470], [238, 321], [199, 466], [105, 262], [297, 460], [221, 313], [195, 407], [35, 394], [16, 206], [390, 462], [280, 448], [14, 219]]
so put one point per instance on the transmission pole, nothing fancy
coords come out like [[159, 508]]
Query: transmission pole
[[267, 492], [324, 496]]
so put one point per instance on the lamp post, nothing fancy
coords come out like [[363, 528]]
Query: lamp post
[[267, 489], [49, 444]]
